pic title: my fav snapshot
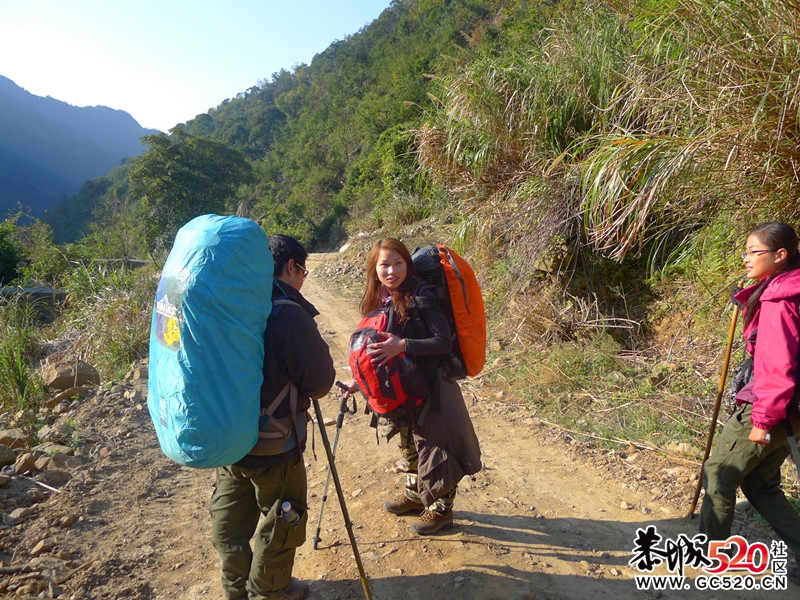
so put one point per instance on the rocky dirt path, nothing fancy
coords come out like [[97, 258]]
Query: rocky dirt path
[[547, 518]]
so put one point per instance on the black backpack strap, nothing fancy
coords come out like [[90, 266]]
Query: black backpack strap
[[289, 388], [458, 276], [391, 315], [373, 422], [275, 434], [282, 431], [426, 302], [277, 430], [280, 302], [427, 295]]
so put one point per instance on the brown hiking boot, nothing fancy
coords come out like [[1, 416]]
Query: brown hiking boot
[[430, 522], [403, 505], [297, 590]]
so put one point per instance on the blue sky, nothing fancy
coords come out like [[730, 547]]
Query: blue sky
[[165, 61]]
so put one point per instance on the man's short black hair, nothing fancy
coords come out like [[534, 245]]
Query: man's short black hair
[[283, 248]]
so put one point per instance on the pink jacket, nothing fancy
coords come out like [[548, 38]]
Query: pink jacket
[[777, 322]]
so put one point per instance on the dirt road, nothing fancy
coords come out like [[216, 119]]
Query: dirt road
[[547, 518]]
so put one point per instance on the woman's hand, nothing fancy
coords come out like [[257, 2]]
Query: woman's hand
[[759, 436], [383, 352]]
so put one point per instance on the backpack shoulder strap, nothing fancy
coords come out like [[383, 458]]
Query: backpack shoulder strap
[[289, 389], [283, 431], [457, 272], [426, 295], [279, 303]]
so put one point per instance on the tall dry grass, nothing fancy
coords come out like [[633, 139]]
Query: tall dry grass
[[624, 127], [707, 123]]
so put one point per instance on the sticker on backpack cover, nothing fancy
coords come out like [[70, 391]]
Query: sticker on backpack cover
[[169, 309]]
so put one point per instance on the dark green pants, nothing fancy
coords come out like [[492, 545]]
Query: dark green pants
[[737, 462], [242, 497]]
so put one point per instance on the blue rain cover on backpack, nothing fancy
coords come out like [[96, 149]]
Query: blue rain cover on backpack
[[207, 341]]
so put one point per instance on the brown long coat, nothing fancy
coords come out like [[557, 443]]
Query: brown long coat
[[447, 445]]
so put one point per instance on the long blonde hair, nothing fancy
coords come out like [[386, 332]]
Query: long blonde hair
[[403, 296]]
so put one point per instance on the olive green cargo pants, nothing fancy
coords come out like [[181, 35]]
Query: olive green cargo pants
[[242, 497], [737, 462]]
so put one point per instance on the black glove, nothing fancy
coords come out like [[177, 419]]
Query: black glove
[[735, 289]]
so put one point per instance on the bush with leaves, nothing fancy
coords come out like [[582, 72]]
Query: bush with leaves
[[20, 387], [9, 254], [43, 262], [110, 308], [180, 177]]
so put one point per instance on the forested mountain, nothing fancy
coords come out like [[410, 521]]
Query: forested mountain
[[329, 140], [618, 130], [48, 147]]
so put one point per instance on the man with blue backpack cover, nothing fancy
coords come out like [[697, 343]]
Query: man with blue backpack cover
[[297, 368]]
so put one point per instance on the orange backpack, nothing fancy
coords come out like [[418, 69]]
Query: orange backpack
[[460, 297]]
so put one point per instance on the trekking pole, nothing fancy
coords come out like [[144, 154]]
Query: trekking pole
[[343, 408], [717, 404], [338, 485]]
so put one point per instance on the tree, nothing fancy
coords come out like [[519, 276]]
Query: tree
[[180, 177], [9, 254]]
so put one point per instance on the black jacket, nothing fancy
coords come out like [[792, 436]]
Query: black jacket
[[294, 351], [426, 331], [445, 439]]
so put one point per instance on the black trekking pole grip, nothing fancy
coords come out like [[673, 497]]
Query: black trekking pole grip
[[340, 494], [340, 416], [343, 406]]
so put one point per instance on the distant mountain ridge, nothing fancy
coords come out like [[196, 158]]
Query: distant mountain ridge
[[48, 148]]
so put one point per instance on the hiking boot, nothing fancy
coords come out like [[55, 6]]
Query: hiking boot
[[403, 505], [297, 590], [430, 522]]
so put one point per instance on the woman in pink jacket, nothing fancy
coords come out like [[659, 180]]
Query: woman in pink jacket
[[754, 442]]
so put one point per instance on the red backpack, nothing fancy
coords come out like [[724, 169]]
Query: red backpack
[[398, 388]]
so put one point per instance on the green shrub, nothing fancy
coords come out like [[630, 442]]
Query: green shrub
[[9, 255], [20, 387], [112, 310]]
